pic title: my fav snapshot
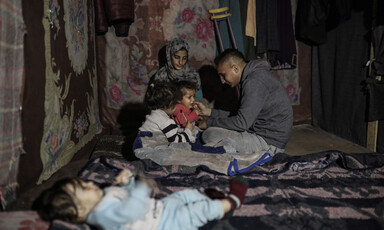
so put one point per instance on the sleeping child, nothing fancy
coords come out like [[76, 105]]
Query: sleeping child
[[130, 206], [161, 99], [184, 109]]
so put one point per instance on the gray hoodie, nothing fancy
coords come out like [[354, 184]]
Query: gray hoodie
[[265, 108]]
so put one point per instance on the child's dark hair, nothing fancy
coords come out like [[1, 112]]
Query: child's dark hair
[[56, 203], [186, 85], [161, 95]]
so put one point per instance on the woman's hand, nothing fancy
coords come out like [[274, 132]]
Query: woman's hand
[[203, 110]]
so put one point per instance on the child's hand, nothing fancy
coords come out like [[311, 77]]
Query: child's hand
[[196, 109], [149, 181], [203, 124], [123, 177], [189, 125]]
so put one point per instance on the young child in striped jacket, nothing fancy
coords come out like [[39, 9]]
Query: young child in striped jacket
[[161, 99]]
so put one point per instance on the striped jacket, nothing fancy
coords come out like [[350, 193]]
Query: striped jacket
[[158, 120]]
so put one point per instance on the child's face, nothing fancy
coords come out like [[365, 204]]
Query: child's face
[[86, 196], [170, 111], [179, 59], [188, 98]]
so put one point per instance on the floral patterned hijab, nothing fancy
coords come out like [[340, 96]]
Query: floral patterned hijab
[[169, 73]]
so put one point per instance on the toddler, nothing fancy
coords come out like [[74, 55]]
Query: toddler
[[184, 109], [129, 206], [161, 99]]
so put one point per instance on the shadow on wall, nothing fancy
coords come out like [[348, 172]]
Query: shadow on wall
[[222, 96], [132, 115], [162, 55], [130, 118]]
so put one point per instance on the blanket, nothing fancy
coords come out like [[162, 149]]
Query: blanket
[[218, 159], [326, 190]]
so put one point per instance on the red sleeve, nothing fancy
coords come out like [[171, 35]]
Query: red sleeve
[[189, 114], [178, 116]]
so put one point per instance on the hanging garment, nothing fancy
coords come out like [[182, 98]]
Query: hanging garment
[[250, 27], [314, 18], [286, 57], [376, 80], [119, 13]]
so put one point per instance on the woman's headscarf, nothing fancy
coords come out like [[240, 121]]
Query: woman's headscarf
[[169, 73]]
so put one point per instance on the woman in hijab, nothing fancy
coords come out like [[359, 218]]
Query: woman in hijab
[[177, 69]]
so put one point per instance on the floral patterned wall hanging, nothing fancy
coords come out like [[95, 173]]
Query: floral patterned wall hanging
[[76, 33], [71, 87], [290, 80]]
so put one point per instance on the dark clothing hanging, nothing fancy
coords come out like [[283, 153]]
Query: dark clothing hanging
[[266, 27], [119, 13], [314, 18], [275, 38], [375, 85], [378, 64], [311, 16], [379, 13], [286, 57], [338, 69]]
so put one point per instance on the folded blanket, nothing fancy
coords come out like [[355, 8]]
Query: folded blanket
[[156, 148]]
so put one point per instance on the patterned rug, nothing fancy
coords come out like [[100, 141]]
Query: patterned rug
[[326, 190]]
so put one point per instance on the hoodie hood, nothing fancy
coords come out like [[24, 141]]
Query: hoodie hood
[[255, 65]]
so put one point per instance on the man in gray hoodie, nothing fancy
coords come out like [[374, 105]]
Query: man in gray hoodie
[[264, 119]]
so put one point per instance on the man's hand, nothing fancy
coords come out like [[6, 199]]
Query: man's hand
[[203, 110], [196, 109]]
